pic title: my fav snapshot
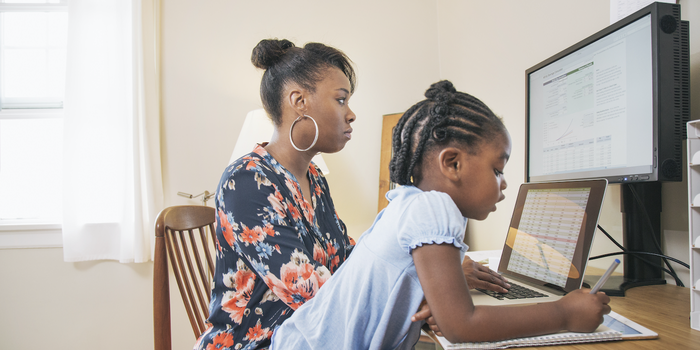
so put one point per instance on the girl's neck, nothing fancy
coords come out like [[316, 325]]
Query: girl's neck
[[427, 186]]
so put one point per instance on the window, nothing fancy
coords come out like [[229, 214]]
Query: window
[[32, 83]]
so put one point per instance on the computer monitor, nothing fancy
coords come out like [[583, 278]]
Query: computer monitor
[[614, 106]]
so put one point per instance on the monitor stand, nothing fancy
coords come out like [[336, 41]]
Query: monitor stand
[[637, 236]]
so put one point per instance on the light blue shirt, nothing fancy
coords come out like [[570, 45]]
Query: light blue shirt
[[369, 301]]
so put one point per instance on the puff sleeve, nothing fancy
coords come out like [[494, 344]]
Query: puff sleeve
[[431, 218]]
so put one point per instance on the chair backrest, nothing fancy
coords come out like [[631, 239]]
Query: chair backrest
[[185, 236]]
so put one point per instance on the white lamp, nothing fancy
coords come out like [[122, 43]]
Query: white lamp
[[258, 128]]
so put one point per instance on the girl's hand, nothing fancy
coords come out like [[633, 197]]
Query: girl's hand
[[425, 314], [480, 276], [583, 312]]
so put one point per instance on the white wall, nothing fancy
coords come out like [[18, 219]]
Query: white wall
[[209, 85]]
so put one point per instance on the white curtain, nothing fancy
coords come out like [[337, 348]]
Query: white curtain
[[113, 183]]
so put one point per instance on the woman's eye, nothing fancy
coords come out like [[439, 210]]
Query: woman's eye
[[498, 172], [341, 101]]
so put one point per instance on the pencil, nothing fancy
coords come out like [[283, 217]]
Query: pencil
[[605, 276]]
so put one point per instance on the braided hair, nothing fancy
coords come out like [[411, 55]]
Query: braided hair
[[446, 116], [284, 63]]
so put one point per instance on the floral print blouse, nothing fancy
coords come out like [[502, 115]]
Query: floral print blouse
[[275, 249]]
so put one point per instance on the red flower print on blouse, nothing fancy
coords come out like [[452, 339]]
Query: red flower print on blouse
[[277, 203], [269, 230], [221, 341], [332, 251], [226, 228], [235, 301], [218, 246], [251, 165], [308, 211], [260, 149], [299, 280], [295, 213], [312, 170], [258, 333], [320, 255], [251, 236]]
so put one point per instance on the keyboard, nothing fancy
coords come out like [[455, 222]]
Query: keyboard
[[515, 292]]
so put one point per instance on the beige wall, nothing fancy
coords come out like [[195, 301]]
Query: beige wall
[[209, 85]]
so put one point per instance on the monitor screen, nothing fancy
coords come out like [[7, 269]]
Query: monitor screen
[[591, 112]]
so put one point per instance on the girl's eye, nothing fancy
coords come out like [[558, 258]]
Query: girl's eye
[[498, 172], [341, 101]]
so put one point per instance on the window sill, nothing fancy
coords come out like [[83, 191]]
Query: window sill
[[19, 236], [31, 113]]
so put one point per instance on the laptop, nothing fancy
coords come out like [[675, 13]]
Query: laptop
[[548, 241]]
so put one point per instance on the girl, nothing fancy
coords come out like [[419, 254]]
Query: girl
[[449, 152]]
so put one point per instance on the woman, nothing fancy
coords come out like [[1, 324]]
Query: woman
[[279, 237]]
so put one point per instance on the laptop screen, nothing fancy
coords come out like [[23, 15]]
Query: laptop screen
[[551, 232]]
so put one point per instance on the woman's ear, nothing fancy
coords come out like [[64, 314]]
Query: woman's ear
[[451, 162], [297, 99]]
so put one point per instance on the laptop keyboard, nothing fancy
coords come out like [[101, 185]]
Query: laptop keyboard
[[515, 292]]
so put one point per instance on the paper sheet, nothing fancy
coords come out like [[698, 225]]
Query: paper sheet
[[620, 9]]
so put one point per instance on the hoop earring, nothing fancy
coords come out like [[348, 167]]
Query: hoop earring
[[315, 134]]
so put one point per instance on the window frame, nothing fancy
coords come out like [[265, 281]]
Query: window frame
[[62, 6]]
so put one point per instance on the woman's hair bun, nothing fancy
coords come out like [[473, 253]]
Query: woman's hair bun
[[442, 91], [269, 51]]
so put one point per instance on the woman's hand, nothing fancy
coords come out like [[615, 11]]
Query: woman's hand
[[480, 276], [425, 314]]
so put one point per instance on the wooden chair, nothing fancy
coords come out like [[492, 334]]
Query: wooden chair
[[185, 236]]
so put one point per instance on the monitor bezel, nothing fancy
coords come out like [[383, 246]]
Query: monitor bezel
[[663, 100]]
